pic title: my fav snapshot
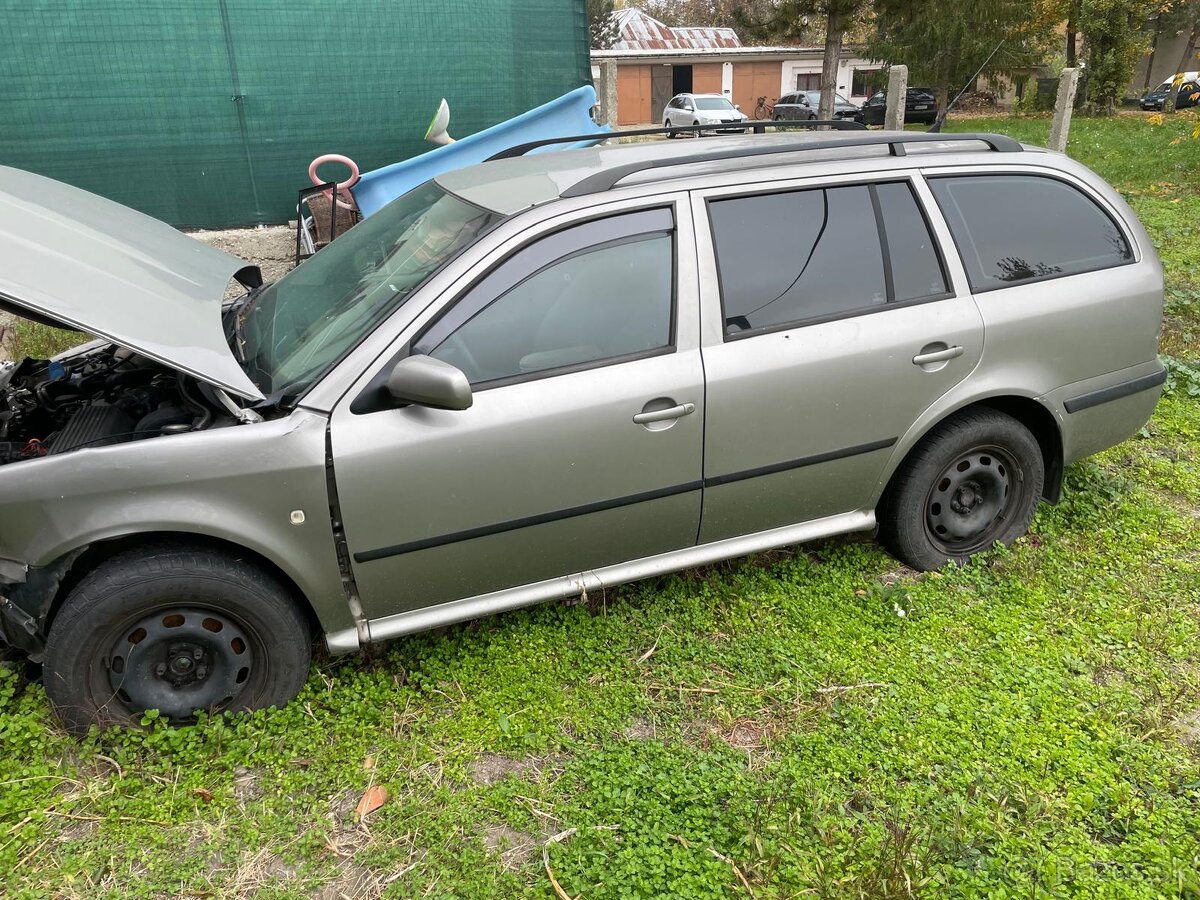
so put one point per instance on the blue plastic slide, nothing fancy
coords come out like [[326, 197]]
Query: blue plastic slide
[[569, 114]]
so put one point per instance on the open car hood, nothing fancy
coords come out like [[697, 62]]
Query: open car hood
[[78, 260]]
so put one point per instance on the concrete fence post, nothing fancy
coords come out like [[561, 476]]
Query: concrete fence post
[[1068, 82], [897, 94], [608, 93]]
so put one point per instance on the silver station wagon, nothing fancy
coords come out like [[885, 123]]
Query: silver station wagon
[[539, 376]]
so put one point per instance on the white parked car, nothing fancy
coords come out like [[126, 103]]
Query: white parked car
[[703, 109]]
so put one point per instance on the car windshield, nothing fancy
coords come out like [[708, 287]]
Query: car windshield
[[713, 103], [814, 97], [292, 331]]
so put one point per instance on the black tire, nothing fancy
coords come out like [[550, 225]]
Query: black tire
[[667, 124], [973, 480], [175, 630]]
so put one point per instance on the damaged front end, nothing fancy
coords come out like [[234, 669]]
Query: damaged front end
[[26, 595], [96, 397]]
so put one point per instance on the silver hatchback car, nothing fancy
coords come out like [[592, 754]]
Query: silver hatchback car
[[540, 376]]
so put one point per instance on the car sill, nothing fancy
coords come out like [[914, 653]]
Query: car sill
[[572, 585]]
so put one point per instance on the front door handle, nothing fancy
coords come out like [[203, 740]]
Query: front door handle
[[662, 415], [937, 356]]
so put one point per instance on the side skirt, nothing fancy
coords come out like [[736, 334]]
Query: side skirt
[[482, 605]]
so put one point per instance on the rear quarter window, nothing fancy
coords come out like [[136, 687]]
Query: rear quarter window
[[1014, 229]]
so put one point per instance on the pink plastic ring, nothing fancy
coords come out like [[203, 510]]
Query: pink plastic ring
[[342, 185]]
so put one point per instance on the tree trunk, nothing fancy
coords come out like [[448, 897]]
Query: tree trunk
[[829, 69], [1188, 53], [1072, 23], [1153, 51]]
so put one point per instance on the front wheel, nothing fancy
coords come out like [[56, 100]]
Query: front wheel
[[973, 481], [174, 630]]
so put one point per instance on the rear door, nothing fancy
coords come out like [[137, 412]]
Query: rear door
[[830, 322]]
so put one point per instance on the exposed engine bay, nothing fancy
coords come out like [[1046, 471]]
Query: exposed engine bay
[[103, 395]]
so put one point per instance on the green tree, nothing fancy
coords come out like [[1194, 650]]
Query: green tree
[[944, 42], [1114, 42], [795, 21], [602, 26]]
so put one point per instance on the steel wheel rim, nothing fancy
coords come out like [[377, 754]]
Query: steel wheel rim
[[181, 659], [971, 501]]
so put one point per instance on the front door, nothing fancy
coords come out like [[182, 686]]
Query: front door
[[583, 446], [834, 328]]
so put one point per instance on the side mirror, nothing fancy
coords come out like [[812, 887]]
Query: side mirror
[[426, 381], [737, 107]]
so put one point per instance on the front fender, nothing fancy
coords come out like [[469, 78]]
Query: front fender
[[240, 484]]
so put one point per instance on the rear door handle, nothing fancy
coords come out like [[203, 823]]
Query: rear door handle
[[662, 415], [937, 356]]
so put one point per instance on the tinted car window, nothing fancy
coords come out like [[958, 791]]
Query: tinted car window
[[796, 256], [595, 292], [1018, 228], [916, 266]]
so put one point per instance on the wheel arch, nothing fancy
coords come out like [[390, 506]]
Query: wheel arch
[[83, 561], [1031, 413]]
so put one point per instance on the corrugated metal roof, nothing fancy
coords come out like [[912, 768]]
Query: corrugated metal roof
[[643, 32]]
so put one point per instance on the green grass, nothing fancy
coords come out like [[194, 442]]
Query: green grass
[[819, 722]]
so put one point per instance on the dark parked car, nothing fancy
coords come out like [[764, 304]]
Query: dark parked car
[[919, 106], [804, 105], [1189, 93]]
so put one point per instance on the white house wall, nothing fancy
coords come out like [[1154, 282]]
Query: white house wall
[[845, 80]]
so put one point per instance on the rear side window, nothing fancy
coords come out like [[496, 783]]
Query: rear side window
[[802, 257], [1012, 229]]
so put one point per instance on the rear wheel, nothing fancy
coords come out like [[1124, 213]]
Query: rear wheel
[[174, 630], [667, 124], [972, 482]]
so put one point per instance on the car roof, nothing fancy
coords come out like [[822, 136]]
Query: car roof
[[508, 186]]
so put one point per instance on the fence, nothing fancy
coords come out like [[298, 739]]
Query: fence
[[207, 112]]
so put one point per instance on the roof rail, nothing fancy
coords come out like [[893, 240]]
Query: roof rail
[[757, 126], [608, 178]]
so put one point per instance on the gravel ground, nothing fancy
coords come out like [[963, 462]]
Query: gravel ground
[[271, 247]]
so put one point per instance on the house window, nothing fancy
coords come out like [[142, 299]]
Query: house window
[[866, 82], [808, 81]]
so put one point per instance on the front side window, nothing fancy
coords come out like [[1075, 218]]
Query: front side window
[[601, 291], [1020, 228], [800, 257]]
